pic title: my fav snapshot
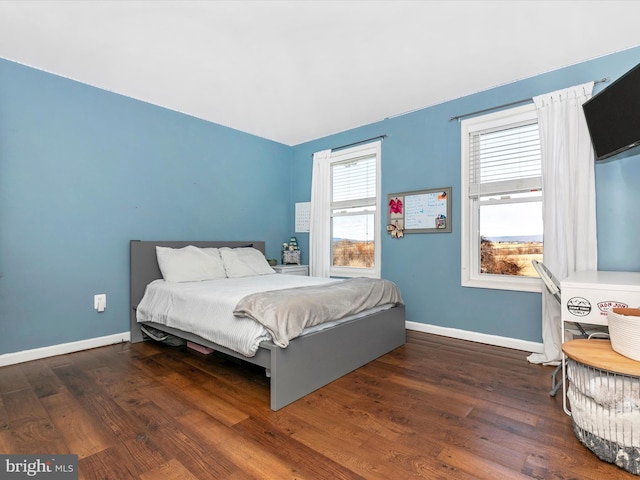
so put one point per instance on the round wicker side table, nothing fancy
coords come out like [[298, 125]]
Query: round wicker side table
[[604, 394]]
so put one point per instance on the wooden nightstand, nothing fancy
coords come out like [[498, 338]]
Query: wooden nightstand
[[292, 269]]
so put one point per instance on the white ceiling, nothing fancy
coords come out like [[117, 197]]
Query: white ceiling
[[293, 71]]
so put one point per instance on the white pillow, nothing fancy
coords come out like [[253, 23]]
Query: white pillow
[[244, 262], [190, 264]]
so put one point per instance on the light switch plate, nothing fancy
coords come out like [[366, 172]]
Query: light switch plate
[[100, 301]]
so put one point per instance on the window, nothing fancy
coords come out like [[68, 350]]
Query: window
[[355, 211], [501, 200]]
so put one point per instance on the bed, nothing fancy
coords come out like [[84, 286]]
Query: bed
[[308, 362]]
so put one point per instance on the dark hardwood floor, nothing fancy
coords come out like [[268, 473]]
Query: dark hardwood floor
[[436, 408]]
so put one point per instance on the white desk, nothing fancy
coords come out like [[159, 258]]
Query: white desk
[[588, 296]]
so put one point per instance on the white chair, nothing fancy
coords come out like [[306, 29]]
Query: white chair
[[553, 286], [551, 282]]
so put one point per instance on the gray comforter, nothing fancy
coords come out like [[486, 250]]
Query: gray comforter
[[286, 313]]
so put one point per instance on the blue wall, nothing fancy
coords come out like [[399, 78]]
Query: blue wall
[[422, 151], [83, 171]]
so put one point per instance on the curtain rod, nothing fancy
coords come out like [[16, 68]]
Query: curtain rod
[[383, 136], [524, 100]]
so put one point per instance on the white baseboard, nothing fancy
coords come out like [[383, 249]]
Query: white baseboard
[[52, 351], [495, 340]]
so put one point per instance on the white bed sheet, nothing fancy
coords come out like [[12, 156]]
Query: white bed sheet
[[206, 308]]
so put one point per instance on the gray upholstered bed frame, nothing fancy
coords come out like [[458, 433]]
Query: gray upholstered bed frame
[[309, 362]]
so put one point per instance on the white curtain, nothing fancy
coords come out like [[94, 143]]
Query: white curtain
[[320, 228], [569, 201]]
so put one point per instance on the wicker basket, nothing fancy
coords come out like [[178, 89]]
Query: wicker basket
[[624, 331]]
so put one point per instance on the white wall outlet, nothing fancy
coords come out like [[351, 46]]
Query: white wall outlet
[[100, 302]]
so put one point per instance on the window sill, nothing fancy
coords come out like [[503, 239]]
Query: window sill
[[353, 273], [520, 284]]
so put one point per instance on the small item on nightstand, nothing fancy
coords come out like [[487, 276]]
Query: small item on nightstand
[[291, 257], [291, 252]]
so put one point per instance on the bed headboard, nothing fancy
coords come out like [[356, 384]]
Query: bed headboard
[[144, 268]]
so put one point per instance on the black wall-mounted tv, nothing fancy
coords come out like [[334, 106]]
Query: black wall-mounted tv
[[613, 116]]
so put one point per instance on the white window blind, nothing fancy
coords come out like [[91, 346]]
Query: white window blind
[[505, 161], [354, 182]]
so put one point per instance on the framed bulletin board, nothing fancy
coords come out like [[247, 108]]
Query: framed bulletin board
[[420, 211]]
